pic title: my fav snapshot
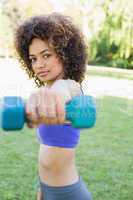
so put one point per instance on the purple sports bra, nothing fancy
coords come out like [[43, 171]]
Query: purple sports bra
[[58, 135]]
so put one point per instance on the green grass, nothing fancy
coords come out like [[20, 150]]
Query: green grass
[[104, 156]]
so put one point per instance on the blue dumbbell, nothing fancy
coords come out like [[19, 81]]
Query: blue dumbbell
[[81, 111]]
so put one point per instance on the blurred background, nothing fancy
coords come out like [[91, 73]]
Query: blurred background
[[106, 24]]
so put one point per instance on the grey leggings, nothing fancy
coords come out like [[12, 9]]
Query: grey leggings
[[76, 191]]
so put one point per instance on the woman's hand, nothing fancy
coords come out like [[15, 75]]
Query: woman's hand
[[46, 107]]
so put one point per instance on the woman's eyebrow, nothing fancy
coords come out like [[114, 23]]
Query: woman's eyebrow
[[41, 52]]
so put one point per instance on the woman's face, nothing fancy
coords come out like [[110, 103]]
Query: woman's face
[[44, 61]]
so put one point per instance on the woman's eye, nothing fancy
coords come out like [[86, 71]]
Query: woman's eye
[[46, 55], [32, 60]]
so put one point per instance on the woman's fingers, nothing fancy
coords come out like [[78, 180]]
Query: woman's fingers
[[60, 109], [45, 107], [31, 113], [32, 122], [55, 108]]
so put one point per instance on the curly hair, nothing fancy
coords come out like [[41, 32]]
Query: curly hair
[[66, 39]]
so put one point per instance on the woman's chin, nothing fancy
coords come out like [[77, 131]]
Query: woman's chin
[[44, 79]]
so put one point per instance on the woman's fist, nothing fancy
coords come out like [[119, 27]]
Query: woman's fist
[[45, 106]]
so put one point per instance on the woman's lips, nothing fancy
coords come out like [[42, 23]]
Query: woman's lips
[[43, 73]]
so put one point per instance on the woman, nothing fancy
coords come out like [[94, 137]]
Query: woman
[[53, 52]]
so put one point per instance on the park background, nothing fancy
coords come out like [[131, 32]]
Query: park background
[[104, 155]]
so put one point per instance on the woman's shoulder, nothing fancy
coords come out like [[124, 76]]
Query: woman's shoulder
[[74, 87], [68, 87], [60, 86], [66, 83]]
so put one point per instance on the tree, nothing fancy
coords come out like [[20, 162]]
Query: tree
[[112, 44], [13, 12]]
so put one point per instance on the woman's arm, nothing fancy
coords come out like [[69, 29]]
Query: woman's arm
[[47, 105]]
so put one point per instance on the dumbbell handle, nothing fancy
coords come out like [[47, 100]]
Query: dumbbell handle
[[81, 111]]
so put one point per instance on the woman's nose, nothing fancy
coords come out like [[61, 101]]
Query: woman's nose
[[40, 63]]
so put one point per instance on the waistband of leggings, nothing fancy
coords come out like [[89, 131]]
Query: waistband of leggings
[[66, 188]]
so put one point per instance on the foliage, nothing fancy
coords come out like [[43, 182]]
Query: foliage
[[12, 13], [106, 24], [113, 43]]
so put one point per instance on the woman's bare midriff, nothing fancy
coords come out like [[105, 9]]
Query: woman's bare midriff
[[57, 165]]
